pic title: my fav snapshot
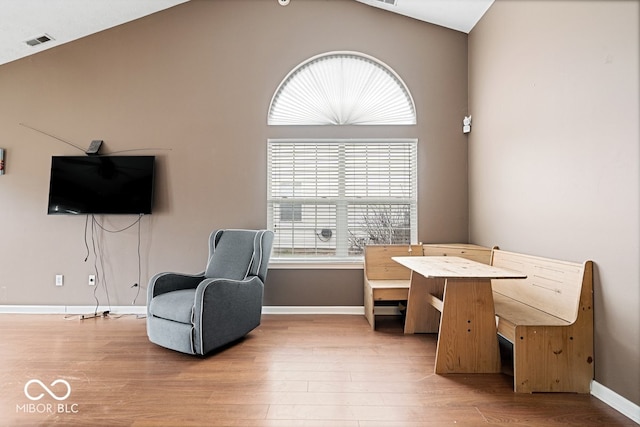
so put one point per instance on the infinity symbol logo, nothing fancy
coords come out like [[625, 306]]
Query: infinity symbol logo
[[47, 389]]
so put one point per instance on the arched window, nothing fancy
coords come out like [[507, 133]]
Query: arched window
[[342, 88], [328, 198]]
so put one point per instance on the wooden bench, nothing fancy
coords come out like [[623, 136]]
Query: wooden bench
[[386, 280], [548, 319]]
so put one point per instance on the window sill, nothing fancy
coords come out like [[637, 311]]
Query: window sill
[[316, 264]]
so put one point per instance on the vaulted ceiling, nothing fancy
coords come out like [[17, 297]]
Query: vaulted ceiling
[[30, 26], [460, 15], [63, 21]]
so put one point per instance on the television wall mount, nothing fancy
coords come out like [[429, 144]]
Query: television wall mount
[[94, 147]]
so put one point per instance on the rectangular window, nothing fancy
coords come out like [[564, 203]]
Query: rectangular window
[[329, 198]]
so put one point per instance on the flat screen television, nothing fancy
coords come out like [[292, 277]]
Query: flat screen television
[[101, 185]]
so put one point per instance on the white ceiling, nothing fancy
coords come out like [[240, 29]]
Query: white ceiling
[[460, 15], [67, 20], [64, 21]]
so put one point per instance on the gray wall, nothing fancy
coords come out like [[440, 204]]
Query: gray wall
[[554, 153], [194, 83]]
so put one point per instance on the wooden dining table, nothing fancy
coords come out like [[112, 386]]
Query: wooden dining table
[[452, 296]]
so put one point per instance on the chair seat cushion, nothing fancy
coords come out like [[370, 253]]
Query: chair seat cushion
[[175, 305]]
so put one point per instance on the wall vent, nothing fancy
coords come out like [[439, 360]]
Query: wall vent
[[39, 40]]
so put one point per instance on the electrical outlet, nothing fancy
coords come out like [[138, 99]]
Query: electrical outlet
[[59, 280], [92, 280]]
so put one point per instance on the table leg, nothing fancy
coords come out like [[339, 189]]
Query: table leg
[[467, 341], [421, 316]]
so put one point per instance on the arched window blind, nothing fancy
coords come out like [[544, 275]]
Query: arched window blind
[[342, 88]]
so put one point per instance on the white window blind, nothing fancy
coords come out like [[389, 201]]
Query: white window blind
[[342, 88], [328, 198]]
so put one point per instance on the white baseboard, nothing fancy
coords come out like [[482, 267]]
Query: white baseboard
[[350, 310], [273, 309], [71, 309], [139, 309], [617, 402]]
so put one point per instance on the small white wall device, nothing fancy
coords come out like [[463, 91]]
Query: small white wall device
[[466, 124]]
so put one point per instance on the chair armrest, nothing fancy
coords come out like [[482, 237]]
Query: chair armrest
[[233, 306], [167, 282]]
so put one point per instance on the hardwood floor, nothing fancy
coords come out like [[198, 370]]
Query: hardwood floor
[[292, 371]]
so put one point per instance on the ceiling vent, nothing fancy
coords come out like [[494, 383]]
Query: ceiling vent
[[39, 40], [391, 2]]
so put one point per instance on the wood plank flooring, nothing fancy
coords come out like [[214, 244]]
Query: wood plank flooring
[[294, 370]]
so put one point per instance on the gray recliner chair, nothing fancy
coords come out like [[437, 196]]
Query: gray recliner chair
[[196, 314]]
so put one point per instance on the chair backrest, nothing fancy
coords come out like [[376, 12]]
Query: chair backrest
[[238, 254]]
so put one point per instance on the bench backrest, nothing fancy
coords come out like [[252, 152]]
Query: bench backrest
[[463, 250], [556, 287], [378, 264]]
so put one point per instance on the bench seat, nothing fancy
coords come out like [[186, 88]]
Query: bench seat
[[390, 290], [511, 313], [548, 319]]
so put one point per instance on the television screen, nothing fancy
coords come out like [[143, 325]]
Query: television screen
[[101, 185]]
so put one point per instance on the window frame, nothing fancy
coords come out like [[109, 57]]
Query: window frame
[[342, 260]]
